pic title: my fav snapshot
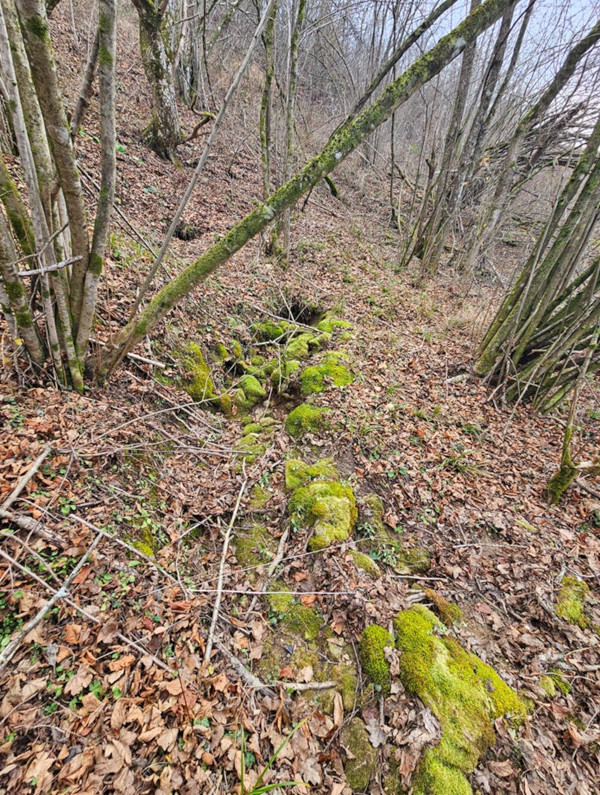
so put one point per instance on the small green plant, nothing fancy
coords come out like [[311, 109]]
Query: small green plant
[[259, 788]]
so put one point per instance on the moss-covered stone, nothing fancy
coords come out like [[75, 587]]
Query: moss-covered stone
[[255, 546], [449, 612], [386, 542], [330, 507], [560, 682], [570, 605], [259, 497], [366, 563], [298, 347], [330, 371], [371, 651], [329, 323], [270, 330], [415, 560], [361, 763], [464, 693], [280, 376], [255, 439], [253, 389], [196, 376], [297, 473], [305, 419]]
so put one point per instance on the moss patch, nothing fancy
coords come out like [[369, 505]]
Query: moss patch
[[255, 546], [449, 612], [465, 694], [259, 497], [305, 419], [361, 763], [329, 507], [571, 602], [330, 371], [196, 376], [297, 473], [255, 440], [371, 652], [366, 564]]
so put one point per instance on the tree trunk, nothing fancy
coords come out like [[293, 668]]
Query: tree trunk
[[163, 134]]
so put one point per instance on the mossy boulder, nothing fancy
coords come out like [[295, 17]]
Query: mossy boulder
[[297, 473], [570, 605], [305, 419], [270, 330], [281, 374], [361, 763], [329, 507], [464, 693], [299, 346], [253, 390], [255, 440], [196, 375], [371, 652], [366, 563], [330, 371]]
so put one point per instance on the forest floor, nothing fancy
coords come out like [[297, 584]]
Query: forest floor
[[109, 692]]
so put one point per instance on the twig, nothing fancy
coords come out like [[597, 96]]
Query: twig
[[56, 267], [584, 487], [215, 615], [136, 357], [240, 668], [9, 651], [272, 566], [134, 645], [24, 480], [32, 526], [301, 687]]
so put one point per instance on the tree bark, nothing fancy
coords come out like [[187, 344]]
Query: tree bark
[[163, 133]]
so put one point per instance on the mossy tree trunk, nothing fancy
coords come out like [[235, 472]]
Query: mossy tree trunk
[[344, 141], [163, 133]]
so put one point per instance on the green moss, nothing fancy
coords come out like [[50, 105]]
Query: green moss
[[449, 612], [253, 389], [464, 693], [330, 507], [283, 601], [347, 683], [255, 546], [251, 427], [330, 371], [361, 763], [305, 419], [371, 651], [416, 560], [303, 621], [259, 497], [329, 324], [297, 473], [298, 346], [366, 564], [281, 374], [37, 26], [560, 682], [196, 377], [548, 685], [269, 330], [571, 602]]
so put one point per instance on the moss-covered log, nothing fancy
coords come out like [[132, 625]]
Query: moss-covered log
[[339, 146]]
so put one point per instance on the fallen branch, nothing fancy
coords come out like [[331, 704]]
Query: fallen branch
[[215, 615], [7, 654], [32, 526], [24, 479]]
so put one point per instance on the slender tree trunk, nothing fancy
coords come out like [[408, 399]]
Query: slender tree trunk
[[86, 88], [290, 115], [163, 133], [340, 145], [106, 79], [43, 69]]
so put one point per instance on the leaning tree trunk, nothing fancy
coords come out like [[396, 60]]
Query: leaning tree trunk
[[163, 134], [340, 145]]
